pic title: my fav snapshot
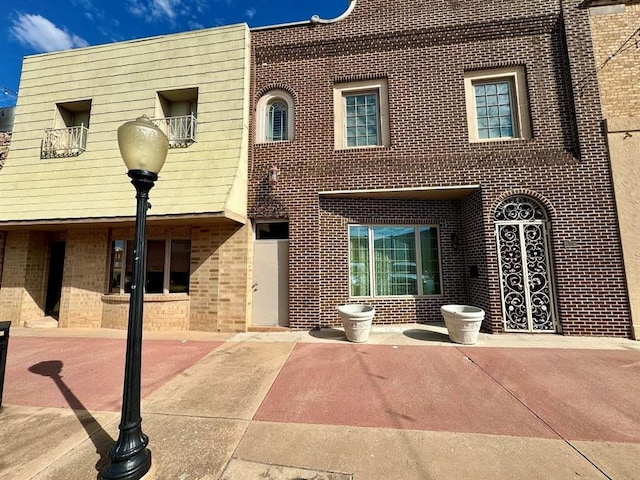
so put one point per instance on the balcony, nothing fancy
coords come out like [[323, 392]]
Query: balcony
[[181, 131], [64, 142]]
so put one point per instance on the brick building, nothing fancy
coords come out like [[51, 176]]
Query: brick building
[[413, 154], [67, 209], [615, 27]]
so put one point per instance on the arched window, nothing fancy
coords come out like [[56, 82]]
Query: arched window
[[277, 129], [274, 117]]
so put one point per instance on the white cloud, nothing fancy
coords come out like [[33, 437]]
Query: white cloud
[[91, 11], [42, 35], [251, 12], [137, 8], [161, 7], [193, 25], [153, 10]]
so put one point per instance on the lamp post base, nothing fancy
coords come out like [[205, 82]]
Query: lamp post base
[[128, 469]]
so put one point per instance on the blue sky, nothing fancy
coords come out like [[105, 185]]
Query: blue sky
[[37, 26]]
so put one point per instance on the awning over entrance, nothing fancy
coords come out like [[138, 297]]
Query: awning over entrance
[[455, 192]]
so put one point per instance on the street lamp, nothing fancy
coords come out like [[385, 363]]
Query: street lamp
[[143, 148]]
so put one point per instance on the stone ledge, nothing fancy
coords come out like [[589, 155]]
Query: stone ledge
[[148, 297], [44, 322]]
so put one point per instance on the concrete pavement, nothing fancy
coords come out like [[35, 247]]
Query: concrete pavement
[[408, 404]]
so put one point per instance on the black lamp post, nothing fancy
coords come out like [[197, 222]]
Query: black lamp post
[[144, 148]]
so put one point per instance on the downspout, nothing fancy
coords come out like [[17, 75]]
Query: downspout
[[315, 20]]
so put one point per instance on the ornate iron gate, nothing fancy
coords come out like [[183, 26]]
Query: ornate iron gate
[[525, 266]]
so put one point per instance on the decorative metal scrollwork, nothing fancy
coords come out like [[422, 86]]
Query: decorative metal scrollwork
[[538, 274], [524, 266], [516, 209], [512, 273]]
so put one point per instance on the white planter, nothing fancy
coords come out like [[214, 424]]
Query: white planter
[[356, 320], [463, 322]]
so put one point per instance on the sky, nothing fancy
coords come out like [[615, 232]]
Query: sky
[[29, 27]]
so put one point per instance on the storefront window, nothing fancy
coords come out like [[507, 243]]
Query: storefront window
[[168, 266], [180, 266]]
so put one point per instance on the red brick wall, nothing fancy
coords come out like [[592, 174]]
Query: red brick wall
[[480, 291], [337, 214], [423, 49]]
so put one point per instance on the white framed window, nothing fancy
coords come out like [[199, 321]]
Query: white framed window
[[168, 266], [275, 117], [394, 260], [277, 126], [497, 104], [361, 114]]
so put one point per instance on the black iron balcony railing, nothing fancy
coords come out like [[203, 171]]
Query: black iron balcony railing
[[181, 131], [64, 142]]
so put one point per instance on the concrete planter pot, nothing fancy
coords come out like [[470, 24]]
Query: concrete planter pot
[[356, 320], [463, 322]]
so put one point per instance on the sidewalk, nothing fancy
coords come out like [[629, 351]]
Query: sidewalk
[[408, 404]]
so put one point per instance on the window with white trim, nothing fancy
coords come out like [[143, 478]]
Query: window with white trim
[[497, 104], [275, 117], [277, 126], [361, 114], [168, 266], [392, 260]]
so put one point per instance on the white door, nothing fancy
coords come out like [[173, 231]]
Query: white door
[[270, 280]]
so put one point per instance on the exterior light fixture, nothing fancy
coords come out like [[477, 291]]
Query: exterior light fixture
[[455, 241], [273, 176], [143, 148]]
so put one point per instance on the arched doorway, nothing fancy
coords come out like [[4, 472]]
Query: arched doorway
[[524, 259]]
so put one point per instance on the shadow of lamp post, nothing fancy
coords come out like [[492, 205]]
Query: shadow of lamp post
[[100, 438], [144, 149]]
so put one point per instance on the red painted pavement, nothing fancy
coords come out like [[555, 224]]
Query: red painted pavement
[[87, 373], [408, 387], [582, 394]]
